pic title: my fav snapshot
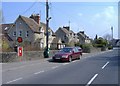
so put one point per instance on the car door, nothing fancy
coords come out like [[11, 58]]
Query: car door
[[75, 53]]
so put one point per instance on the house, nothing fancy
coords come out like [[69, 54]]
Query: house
[[31, 30], [83, 38], [66, 35], [4, 38]]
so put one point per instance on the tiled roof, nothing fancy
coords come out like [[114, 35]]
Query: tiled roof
[[34, 25], [31, 23], [65, 31], [5, 27]]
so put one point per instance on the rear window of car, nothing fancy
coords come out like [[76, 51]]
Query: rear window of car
[[67, 50]]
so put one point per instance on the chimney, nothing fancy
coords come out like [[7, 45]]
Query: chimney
[[67, 27], [82, 32], [36, 17]]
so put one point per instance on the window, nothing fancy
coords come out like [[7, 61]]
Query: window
[[20, 33], [65, 37], [27, 33], [14, 33]]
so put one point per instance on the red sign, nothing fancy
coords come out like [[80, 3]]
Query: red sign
[[20, 51], [19, 39]]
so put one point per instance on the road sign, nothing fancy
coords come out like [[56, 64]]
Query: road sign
[[19, 39], [20, 51]]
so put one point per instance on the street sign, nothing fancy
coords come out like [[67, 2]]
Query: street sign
[[19, 39], [20, 51]]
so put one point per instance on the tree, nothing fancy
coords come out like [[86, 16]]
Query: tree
[[107, 37]]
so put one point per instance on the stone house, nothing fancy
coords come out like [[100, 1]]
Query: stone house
[[32, 31], [83, 38], [66, 35]]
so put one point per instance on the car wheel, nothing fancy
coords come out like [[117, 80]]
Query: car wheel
[[70, 59]]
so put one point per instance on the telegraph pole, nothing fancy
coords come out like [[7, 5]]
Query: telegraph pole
[[112, 35], [46, 52], [112, 32]]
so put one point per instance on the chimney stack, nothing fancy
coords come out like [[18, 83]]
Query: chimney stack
[[67, 27], [82, 32], [36, 17]]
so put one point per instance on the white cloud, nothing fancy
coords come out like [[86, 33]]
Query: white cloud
[[108, 15]]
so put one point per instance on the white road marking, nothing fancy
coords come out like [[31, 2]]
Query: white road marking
[[39, 72], [105, 65], [55, 67], [92, 79], [66, 63], [14, 80]]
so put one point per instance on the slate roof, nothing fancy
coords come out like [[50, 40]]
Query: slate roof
[[5, 27], [34, 26], [83, 35], [65, 30]]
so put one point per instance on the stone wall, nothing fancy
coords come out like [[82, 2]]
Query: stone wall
[[30, 55]]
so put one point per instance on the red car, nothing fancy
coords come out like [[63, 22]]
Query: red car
[[67, 54]]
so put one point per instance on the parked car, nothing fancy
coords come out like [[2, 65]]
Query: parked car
[[67, 54], [80, 49]]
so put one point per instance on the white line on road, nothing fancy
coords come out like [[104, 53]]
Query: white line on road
[[39, 72], [55, 67], [66, 63], [14, 80], [92, 79], [105, 65]]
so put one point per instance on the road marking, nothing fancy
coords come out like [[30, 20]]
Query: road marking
[[14, 80], [92, 79], [105, 65], [66, 63], [39, 72], [55, 67]]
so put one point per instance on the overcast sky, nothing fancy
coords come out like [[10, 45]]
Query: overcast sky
[[91, 17]]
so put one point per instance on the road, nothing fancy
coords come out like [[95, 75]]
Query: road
[[100, 69]]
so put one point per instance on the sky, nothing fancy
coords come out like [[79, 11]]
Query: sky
[[91, 17]]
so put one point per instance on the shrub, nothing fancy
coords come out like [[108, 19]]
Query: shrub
[[110, 47], [86, 48]]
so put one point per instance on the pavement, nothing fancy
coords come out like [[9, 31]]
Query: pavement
[[95, 68]]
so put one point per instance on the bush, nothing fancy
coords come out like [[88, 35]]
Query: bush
[[110, 47], [86, 48]]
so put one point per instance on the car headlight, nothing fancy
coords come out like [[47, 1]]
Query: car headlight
[[64, 56]]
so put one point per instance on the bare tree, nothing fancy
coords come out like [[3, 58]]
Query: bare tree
[[107, 37]]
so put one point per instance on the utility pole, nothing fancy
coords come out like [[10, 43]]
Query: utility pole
[[112, 35], [46, 52], [112, 32]]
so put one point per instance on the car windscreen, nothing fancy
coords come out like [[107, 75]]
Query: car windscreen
[[66, 50]]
